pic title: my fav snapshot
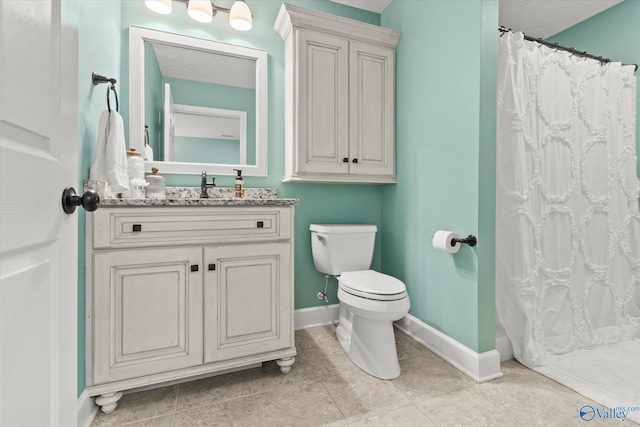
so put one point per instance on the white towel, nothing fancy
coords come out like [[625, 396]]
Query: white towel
[[110, 164]]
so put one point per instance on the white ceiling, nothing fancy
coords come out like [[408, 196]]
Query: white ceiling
[[208, 67], [377, 6], [544, 18], [536, 18]]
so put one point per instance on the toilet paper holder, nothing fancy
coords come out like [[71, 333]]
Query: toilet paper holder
[[469, 240]]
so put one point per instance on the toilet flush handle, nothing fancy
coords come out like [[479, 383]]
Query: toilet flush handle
[[321, 238]]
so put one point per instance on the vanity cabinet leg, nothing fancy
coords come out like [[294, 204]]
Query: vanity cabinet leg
[[108, 401], [285, 364]]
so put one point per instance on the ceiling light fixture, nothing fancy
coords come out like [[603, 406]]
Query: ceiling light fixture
[[204, 11]]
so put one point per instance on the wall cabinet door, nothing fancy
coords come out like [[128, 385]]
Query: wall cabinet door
[[323, 108], [148, 312], [371, 110], [248, 300]]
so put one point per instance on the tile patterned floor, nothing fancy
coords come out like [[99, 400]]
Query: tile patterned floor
[[325, 388]]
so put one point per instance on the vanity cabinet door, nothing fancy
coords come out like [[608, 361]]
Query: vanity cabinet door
[[248, 300], [147, 307]]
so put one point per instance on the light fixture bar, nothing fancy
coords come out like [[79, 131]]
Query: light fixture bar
[[239, 14]]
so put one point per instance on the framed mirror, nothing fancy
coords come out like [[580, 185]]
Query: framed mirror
[[203, 103]]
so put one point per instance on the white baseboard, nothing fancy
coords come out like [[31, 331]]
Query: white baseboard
[[87, 409], [503, 345], [315, 316], [480, 367]]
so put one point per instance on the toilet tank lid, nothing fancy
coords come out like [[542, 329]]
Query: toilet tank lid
[[343, 228]]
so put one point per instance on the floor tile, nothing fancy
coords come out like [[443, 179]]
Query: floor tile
[[427, 375], [242, 411], [214, 389], [315, 336], [307, 404], [365, 397], [407, 416], [269, 376]]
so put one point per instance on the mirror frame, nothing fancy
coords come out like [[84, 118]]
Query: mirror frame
[[137, 37]]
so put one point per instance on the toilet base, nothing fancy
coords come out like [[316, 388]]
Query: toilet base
[[369, 344]]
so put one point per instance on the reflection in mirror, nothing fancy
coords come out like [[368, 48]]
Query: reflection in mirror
[[204, 103], [197, 134]]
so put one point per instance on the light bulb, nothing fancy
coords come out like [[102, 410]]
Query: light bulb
[[240, 16], [159, 6], [200, 10]]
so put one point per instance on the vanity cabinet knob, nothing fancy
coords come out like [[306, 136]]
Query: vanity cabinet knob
[[137, 227], [260, 224], [212, 267], [345, 160], [355, 160], [194, 268]]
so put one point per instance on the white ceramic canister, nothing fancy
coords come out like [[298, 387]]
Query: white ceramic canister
[[135, 164], [156, 188]]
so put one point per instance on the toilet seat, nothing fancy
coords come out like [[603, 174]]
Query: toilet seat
[[373, 285]]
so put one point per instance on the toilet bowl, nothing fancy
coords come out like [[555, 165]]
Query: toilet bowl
[[369, 301], [365, 331]]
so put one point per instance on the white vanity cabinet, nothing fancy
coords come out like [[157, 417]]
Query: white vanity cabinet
[[339, 98], [179, 292]]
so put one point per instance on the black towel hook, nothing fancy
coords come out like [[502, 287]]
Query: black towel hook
[[97, 79]]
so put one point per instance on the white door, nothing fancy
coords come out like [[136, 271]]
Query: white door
[[38, 241]]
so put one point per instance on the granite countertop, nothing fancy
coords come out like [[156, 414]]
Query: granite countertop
[[190, 197]]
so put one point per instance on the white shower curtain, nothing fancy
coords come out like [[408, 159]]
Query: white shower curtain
[[567, 222]]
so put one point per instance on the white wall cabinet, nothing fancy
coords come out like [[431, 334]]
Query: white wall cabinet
[[177, 292], [339, 98]]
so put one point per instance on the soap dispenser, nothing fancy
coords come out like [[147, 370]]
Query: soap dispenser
[[239, 187]]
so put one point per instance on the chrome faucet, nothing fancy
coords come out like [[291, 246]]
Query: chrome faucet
[[204, 185]]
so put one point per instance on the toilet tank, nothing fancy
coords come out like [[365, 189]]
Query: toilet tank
[[338, 248]]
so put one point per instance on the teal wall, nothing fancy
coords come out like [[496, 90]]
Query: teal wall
[[208, 150], [445, 113], [614, 34], [98, 28]]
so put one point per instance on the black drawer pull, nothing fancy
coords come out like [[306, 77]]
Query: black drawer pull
[[260, 224], [137, 227], [212, 267], [194, 268], [345, 160], [355, 160]]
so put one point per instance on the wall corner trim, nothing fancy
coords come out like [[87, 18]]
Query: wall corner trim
[[480, 367], [87, 410]]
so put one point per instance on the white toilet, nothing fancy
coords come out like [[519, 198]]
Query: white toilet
[[369, 301]]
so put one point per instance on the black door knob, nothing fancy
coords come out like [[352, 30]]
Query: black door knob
[[355, 160], [89, 200], [345, 160]]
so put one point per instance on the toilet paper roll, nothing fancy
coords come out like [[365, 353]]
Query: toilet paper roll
[[443, 240]]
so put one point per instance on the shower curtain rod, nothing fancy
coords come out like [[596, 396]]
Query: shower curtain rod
[[557, 46]]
